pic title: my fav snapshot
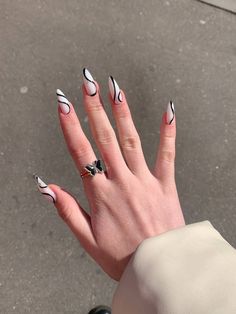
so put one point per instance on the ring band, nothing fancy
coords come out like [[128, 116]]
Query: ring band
[[92, 169], [85, 174]]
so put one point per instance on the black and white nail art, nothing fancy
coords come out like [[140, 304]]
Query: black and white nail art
[[63, 102], [170, 112], [114, 90], [45, 190], [89, 83]]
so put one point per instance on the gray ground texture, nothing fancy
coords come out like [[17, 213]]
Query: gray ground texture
[[157, 50]]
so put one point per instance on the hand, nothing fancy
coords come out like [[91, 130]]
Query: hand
[[128, 203]]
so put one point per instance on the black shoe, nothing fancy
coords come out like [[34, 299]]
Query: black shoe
[[100, 310]]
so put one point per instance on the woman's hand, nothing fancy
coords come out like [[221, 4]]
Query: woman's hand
[[128, 203]]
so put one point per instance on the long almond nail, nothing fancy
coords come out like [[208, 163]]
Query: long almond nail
[[45, 190], [170, 112], [89, 83], [115, 90], [63, 102]]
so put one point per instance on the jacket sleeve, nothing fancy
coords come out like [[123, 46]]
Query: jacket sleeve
[[189, 270]]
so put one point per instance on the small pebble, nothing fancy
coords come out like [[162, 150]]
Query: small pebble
[[24, 89]]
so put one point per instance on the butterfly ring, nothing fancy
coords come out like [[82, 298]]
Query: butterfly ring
[[92, 169]]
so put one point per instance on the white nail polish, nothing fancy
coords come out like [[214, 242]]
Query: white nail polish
[[45, 190], [114, 91], [89, 83], [63, 102], [170, 112]]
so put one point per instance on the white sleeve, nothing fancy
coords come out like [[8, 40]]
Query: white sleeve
[[189, 270]]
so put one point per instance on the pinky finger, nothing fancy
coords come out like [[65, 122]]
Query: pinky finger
[[165, 163], [72, 213]]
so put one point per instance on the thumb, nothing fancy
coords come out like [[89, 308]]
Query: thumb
[[165, 164], [72, 213]]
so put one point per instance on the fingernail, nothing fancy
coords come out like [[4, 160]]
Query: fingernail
[[63, 102], [89, 83], [45, 190], [170, 112], [114, 91]]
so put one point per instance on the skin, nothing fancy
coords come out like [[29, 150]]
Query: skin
[[129, 203]]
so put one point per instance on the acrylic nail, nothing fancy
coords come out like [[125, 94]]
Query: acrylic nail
[[115, 90], [89, 83], [45, 190], [170, 112], [63, 102]]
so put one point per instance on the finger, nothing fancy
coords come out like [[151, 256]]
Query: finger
[[76, 218], [165, 164], [101, 128], [128, 136], [71, 212], [77, 143]]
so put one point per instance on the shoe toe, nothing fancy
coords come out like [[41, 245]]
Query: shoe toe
[[100, 310]]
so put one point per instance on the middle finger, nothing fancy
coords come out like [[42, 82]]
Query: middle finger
[[101, 128]]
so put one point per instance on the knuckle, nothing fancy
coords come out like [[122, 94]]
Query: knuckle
[[168, 156], [169, 133], [80, 151], [105, 136], [94, 106], [123, 114], [124, 185], [130, 142], [66, 213]]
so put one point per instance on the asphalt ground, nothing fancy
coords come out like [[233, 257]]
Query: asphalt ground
[[156, 50]]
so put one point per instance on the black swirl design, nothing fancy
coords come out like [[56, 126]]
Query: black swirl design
[[117, 97], [64, 101], [90, 81], [173, 111], [41, 186], [114, 88]]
